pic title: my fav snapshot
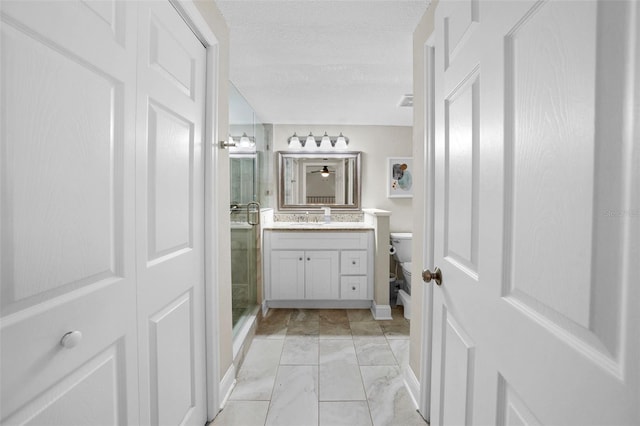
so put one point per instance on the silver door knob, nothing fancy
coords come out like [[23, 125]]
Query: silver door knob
[[436, 275]]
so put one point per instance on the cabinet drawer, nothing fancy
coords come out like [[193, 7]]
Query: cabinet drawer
[[353, 287], [353, 262]]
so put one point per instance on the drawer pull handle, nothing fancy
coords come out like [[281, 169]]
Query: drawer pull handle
[[71, 339]]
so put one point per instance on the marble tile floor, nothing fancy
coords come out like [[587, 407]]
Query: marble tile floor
[[327, 367]]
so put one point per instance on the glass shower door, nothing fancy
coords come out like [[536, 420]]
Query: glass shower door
[[245, 237], [245, 255], [249, 173]]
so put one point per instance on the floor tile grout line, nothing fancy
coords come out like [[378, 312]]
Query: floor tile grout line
[[275, 379]]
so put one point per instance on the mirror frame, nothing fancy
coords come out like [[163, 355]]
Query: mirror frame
[[357, 155]]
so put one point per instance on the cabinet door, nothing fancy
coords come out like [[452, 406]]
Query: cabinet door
[[321, 275], [287, 274]]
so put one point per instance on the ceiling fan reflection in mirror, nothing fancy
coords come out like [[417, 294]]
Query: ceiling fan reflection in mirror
[[324, 172]]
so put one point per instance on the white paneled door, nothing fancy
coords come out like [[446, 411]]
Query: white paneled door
[[536, 213], [102, 210], [170, 218]]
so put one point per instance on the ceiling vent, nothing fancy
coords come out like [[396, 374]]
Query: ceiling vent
[[406, 101]]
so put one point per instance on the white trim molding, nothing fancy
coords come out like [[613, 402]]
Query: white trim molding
[[227, 384], [381, 312], [412, 384]]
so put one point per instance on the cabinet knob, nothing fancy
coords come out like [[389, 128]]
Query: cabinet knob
[[353, 262], [308, 258], [300, 258], [353, 288], [71, 339]]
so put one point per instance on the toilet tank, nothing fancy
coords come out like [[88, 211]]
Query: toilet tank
[[401, 241]]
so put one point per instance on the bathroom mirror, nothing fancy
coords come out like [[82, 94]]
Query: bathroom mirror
[[311, 180]]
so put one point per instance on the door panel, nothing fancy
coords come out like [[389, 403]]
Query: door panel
[[461, 163], [533, 161], [512, 410], [169, 58], [551, 122], [173, 362], [459, 25], [100, 376], [456, 374], [77, 196], [170, 163], [170, 218], [67, 213]]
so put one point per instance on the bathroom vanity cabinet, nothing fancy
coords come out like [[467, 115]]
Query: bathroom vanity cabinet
[[313, 268]]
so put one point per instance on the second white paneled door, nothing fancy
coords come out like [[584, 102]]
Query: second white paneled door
[[170, 218], [536, 226]]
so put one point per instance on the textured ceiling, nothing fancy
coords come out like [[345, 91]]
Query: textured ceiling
[[324, 61]]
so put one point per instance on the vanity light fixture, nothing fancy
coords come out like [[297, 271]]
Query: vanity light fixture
[[310, 143], [325, 142], [242, 141], [341, 142], [242, 144], [294, 142], [246, 142], [319, 143]]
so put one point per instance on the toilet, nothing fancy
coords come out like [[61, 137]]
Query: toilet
[[401, 242]]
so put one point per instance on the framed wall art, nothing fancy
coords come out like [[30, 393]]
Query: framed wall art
[[399, 177]]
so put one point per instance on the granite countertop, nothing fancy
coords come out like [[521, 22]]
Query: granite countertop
[[313, 226]]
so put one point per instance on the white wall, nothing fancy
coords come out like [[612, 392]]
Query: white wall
[[377, 143]]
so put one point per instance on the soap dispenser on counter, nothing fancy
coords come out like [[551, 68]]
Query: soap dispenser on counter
[[327, 214]]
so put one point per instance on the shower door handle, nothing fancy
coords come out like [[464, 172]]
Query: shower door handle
[[257, 206]]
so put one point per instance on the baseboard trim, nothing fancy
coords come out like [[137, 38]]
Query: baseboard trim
[[412, 384], [241, 338], [381, 312], [227, 384]]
